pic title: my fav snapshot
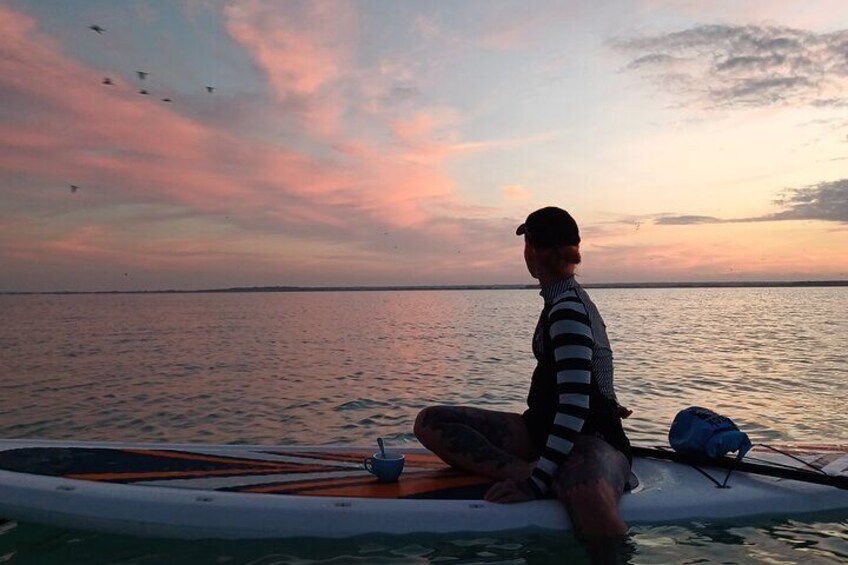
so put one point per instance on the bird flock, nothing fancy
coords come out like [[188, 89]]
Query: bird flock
[[142, 77]]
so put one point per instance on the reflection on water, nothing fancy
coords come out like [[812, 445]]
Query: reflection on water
[[761, 541], [268, 367], [823, 539], [321, 368], [774, 359]]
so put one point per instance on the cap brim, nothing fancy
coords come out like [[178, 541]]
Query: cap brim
[[522, 229]]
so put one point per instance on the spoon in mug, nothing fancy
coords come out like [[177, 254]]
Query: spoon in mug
[[382, 449]]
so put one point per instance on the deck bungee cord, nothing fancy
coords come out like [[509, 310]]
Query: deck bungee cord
[[733, 464]]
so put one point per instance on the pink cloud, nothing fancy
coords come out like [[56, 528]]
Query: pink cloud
[[304, 50], [125, 149], [114, 137], [98, 247], [85, 242], [411, 131], [74, 129], [515, 193]]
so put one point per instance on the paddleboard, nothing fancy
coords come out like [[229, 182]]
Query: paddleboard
[[198, 491]]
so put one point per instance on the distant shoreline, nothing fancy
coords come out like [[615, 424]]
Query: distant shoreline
[[642, 285]]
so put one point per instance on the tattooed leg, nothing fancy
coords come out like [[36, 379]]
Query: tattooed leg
[[590, 484], [485, 442]]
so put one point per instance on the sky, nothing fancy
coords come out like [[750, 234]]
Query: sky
[[401, 143]]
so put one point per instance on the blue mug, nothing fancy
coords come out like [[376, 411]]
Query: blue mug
[[388, 469]]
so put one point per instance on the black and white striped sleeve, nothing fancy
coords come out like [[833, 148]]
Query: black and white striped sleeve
[[573, 342]]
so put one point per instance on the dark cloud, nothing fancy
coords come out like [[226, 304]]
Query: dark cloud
[[401, 93], [686, 220], [726, 65], [826, 201], [750, 63], [830, 103], [763, 91], [654, 59]]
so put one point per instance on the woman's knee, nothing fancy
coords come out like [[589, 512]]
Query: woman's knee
[[420, 426], [426, 421]]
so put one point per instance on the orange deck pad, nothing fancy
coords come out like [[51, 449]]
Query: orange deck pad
[[202, 457], [424, 473], [366, 486], [400, 489], [421, 460], [236, 471]]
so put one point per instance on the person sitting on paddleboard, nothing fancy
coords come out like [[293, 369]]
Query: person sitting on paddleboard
[[569, 443]]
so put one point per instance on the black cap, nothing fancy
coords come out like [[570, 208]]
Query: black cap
[[550, 227]]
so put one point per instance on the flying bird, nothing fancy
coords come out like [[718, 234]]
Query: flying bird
[[97, 28], [74, 188], [142, 75], [142, 91], [167, 100], [108, 81], [210, 89]]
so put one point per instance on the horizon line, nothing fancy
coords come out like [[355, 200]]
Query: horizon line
[[385, 288]]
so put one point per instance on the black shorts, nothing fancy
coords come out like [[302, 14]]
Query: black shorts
[[610, 430], [538, 428], [591, 459]]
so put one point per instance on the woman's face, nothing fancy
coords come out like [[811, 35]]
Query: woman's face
[[530, 259]]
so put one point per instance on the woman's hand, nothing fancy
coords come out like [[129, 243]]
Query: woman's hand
[[509, 491]]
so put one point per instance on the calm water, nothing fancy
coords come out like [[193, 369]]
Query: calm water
[[322, 368]]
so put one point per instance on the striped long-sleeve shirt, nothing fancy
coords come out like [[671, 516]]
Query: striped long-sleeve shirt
[[581, 353]]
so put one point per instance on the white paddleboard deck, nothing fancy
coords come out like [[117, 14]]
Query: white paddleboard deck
[[248, 492]]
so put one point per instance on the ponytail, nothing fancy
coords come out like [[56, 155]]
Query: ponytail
[[571, 254], [555, 259]]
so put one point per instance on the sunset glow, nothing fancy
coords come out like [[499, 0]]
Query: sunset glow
[[384, 143]]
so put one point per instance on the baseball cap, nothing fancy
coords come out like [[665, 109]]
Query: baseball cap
[[550, 227]]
